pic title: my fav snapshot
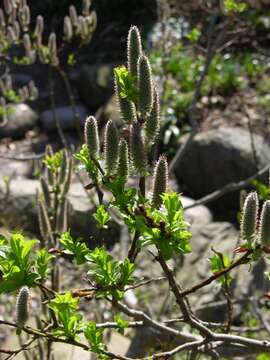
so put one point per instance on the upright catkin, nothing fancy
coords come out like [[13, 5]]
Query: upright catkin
[[160, 181], [249, 217], [127, 107], [123, 166], [91, 136], [22, 307], [264, 233], [137, 148], [134, 49], [111, 147], [152, 124], [145, 86]]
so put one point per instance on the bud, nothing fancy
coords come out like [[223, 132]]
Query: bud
[[264, 234], [122, 169], [91, 136], [160, 181], [39, 26], [145, 86], [27, 43], [63, 168], [249, 217], [111, 146], [134, 49], [52, 44], [86, 7], [11, 37], [17, 30], [137, 148], [61, 223], [8, 82], [73, 15], [2, 20], [33, 90], [68, 31], [44, 223], [67, 180], [92, 21], [24, 17], [152, 124], [83, 28], [46, 192], [243, 195], [127, 108], [8, 6], [22, 307]]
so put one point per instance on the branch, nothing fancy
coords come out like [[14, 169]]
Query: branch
[[243, 260]]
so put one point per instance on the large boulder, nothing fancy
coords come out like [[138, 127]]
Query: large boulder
[[65, 116], [18, 211], [218, 157], [21, 118], [95, 84]]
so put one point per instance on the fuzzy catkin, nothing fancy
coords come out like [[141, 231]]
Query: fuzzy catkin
[[123, 166], [91, 136], [127, 108], [22, 307], [249, 217], [160, 181], [68, 30], [73, 15], [264, 234], [111, 147], [145, 86], [137, 148], [152, 124], [39, 26], [134, 49]]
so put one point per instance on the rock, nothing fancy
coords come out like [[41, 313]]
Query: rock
[[199, 214], [95, 84], [65, 116], [19, 211], [193, 268], [218, 157], [20, 120], [13, 168]]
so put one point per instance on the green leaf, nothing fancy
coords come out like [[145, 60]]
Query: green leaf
[[232, 6], [42, 261], [16, 264], [53, 162], [65, 307], [219, 262], [126, 83], [111, 276], [121, 323], [194, 35], [74, 247], [102, 217], [94, 337]]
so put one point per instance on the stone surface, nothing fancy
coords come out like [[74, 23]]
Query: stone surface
[[199, 214], [13, 168], [65, 116], [218, 157], [20, 119], [192, 268], [95, 84], [18, 211]]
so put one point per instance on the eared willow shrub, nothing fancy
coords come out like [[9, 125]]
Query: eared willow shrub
[[154, 217], [23, 42]]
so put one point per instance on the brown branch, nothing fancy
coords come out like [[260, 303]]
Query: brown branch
[[243, 260]]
